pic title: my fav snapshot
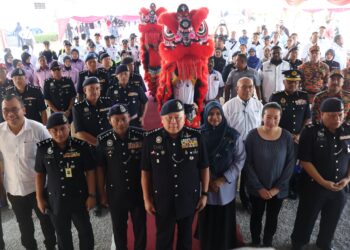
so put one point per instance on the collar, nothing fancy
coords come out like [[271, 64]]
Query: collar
[[26, 126], [89, 105], [247, 102]]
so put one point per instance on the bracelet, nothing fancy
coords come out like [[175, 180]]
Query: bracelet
[[205, 193], [92, 195]]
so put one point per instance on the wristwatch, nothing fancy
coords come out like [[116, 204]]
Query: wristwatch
[[205, 193]]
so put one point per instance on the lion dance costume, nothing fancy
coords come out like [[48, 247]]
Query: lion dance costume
[[151, 37], [184, 53]]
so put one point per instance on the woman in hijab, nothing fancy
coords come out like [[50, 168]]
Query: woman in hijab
[[8, 58], [217, 222], [329, 60], [253, 61], [28, 67]]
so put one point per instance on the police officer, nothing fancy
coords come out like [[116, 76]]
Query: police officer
[[59, 92], [70, 170], [135, 78], [174, 163], [4, 83], [108, 65], [295, 113], [31, 95], [119, 176], [90, 115], [131, 95], [324, 153], [92, 70], [135, 52]]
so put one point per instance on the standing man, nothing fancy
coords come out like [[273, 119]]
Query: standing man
[[295, 114], [59, 92], [135, 52], [334, 89], [92, 71], [132, 96], [271, 74], [31, 95], [243, 113], [241, 70], [135, 78], [324, 155], [119, 176], [49, 54], [90, 115], [4, 83], [110, 49], [18, 138], [68, 165], [174, 163], [215, 83]]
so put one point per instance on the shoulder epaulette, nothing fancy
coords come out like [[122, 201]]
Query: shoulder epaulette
[[105, 134], [321, 93], [34, 87], [136, 130], [44, 142], [278, 92], [79, 103], [48, 80], [76, 140], [82, 72], [193, 129], [153, 131]]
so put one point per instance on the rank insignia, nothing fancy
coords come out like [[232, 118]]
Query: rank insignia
[[283, 101], [159, 139], [49, 151], [86, 109], [320, 134], [189, 143], [109, 143]]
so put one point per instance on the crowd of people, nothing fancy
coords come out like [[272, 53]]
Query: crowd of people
[[72, 139]]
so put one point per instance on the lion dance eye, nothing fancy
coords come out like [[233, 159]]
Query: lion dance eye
[[202, 32], [168, 35]]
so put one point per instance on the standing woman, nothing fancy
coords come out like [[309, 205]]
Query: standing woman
[[226, 153], [270, 162]]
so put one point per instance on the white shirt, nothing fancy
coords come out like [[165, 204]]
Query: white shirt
[[19, 152], [184, 91], [112, 52], [272, 78], [243, 118], [214, 83], [340, 55]]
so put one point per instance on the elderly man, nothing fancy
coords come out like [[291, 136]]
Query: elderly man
[[174, 164], [18, 138], [335, 84], [243, 113], [324, 155]]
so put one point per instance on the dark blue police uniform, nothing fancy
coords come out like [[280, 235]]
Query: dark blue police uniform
[[100, 73], [67, 189], [121, 160]]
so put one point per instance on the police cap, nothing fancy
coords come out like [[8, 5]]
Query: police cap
[[90, 80], [125, 41], [90, 56], [18, 72], [292, 75], [121, 68], [171, 106], [332, 105], [127, 60], [103, 55], [54, 65], [56, 119], [117, 109]]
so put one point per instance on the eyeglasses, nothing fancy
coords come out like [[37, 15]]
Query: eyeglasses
[[176, 118], [14, 110]]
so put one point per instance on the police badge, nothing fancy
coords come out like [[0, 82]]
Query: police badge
[[109, 143], [158, 139], [49, 151]]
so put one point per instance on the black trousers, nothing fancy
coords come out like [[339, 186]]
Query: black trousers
[[2, 243], [119, 213], [22, 207], [243, 194], [313, 200], [63, 223], [165, 232], [272, 207]]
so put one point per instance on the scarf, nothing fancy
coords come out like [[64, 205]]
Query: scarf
[[220, 141], [253, 62], [68, 68]]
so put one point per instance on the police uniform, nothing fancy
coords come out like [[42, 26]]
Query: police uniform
[[111, 71], [121, 160], [330, 154], [92, 119], [295, 106], [100, 73], [32, 97], [60, 93], [135, 78], [132, 96], [66, 186], [3, 87], [175, 166]]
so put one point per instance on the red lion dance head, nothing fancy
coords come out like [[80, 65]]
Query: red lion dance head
[[185, 52], [151, 37]]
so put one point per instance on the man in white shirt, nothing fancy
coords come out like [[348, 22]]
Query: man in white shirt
[[111, 50], [341, 53], [18, 138], [243, 113], [215, 83], [271, 74]]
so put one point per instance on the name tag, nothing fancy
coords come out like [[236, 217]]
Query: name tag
[[69, 173], [300, 102], [133, 94], [71, 155], [134, 145], [344, 137], [105, 109], [189, 143]]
